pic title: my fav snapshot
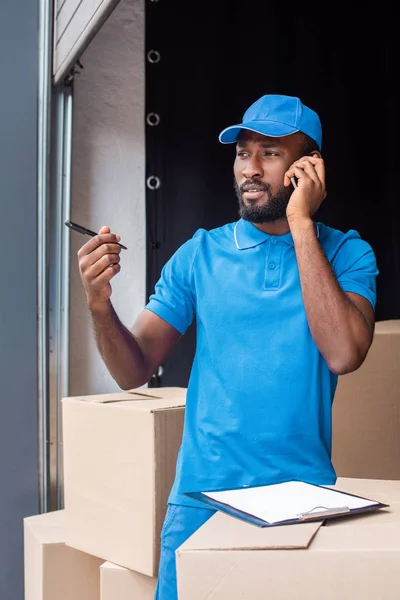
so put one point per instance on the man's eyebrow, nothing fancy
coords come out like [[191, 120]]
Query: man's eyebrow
[[269, 145], [243, 144]]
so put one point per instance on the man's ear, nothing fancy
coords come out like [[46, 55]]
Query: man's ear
[[316, 154]]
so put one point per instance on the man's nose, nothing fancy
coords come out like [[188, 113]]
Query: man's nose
[[252, 169]]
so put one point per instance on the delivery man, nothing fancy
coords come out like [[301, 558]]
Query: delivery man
[[283, 304]]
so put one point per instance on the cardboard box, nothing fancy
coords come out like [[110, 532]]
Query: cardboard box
[[349, 557], [366, 411], [388, 492], [53, 571], [120, 454], [118, 583]]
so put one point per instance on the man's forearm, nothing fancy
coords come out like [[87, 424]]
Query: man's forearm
[[119, 349], [338, 328]]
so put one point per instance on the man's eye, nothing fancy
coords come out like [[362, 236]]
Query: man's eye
[[269, 153], [242, 154]]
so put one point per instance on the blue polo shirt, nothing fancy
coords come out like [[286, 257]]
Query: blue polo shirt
[[260, 393]]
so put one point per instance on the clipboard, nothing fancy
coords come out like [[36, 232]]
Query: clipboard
[[306, 496]]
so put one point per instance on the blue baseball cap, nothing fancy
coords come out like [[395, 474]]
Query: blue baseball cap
[[276, 116]]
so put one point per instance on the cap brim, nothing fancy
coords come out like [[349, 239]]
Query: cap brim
[[271, 128]]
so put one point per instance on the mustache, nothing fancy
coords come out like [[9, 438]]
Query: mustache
[[259, 186]]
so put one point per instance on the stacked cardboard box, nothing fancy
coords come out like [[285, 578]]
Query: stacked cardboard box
[[366, 411], [118, 583], [53, 571], [350, 557], [119, 455]]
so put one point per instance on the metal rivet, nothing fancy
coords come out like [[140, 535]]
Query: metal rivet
[[153, 119], [153, 182], [158, 373], [153, 56]]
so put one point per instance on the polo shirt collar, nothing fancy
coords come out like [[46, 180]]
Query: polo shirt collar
[[247, 235]]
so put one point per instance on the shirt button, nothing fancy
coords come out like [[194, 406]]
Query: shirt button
[[271, 265], [273, 241]]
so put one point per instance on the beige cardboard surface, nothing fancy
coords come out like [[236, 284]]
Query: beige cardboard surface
[[388, 491], [52, 570], [353, 557], [366, 411], [118, 583], [119, 465], [224, 532], [144, 394], [171, 393]]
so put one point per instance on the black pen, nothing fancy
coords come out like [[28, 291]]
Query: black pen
[[86, 231]]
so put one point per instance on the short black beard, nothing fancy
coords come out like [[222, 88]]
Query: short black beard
[[273, 209]]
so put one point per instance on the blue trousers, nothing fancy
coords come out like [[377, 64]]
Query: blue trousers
[[179, 524]]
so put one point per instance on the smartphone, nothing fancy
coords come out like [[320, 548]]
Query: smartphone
[[294, 182], [86, 231]]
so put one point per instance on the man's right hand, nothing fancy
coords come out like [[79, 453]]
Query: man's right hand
[[99, 261], [131, 356]]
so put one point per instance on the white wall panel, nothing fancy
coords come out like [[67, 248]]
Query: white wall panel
[[67, 11], [76, 24], [58, 5], [108, 173]]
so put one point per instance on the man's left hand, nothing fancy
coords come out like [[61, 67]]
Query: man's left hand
[[311, 190]]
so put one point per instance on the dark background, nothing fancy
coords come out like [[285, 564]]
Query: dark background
[[217, 58]]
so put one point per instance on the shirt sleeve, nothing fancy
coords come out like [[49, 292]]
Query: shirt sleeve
[[356, 268], [174, 298]]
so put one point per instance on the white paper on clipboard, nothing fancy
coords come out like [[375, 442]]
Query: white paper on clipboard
[[288, 501]]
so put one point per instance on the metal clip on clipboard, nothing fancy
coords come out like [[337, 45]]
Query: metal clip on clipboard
[[322, 511]]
